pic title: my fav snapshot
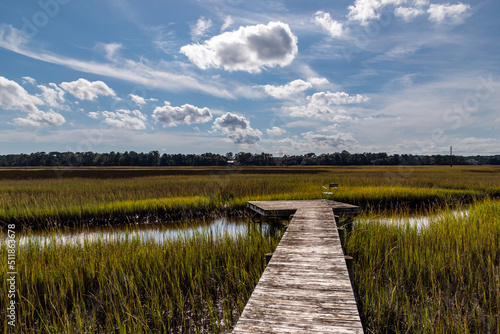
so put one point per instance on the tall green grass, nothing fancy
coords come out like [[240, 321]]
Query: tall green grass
[[192, 284], [442, 278], [44, 202]]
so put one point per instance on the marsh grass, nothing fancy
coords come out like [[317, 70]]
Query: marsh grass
[[197, 283], [92, 200], [442, 278]]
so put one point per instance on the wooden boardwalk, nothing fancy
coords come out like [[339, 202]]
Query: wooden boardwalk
[[305, 287], [284, 209]]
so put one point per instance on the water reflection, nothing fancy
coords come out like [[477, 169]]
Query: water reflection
[[160, 233], [418, 221]]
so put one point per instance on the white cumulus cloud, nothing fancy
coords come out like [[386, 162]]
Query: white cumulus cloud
[[275, 131], [237, 128], [290, 89], [337, 98], [367, 10], [122, 118], [185, 114], [248, 49], [139, 100], [318, 81], [332, 27], [15, 97], [446, 13], [294, 87], [85, 90], [53, 95], [94, 114], [41, 118], [408, 13], [326, 105]]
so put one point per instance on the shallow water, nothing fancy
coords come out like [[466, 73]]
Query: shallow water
[[162, 233], [157, 232], [418, 221]]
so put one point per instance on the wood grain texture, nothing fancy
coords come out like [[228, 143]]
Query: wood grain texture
[[305, 287], [287, 208]]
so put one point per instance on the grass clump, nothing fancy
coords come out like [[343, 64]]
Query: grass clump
[[195, 283], [441, 278]]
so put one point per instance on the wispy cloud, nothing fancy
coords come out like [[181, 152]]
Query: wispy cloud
[[315, 142], [124, 69], [29, 80], [200, 28], [399, 52], [228, 21], [110, 49]]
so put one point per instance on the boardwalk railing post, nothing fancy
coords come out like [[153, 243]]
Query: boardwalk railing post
[[267, 258], [349, 261], [342, 236], [348, 224]]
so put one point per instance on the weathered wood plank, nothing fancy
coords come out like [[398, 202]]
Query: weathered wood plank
[[286, 208], [305, 287]]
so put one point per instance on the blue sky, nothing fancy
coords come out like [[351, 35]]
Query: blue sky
[[400, 76]]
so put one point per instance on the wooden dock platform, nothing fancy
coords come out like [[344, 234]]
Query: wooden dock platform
[[306, 287], [284, 209]]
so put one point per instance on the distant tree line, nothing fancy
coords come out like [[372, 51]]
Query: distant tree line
[[154, 158]]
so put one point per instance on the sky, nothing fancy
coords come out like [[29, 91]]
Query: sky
[[274, 76]]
